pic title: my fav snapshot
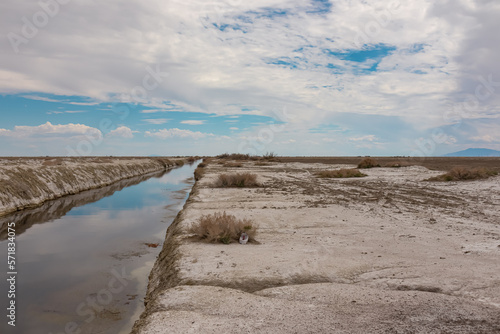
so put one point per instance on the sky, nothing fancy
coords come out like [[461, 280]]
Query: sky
[[297, 77]]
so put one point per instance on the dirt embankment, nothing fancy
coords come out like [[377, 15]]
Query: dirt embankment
[[29, 182], [387, 253]]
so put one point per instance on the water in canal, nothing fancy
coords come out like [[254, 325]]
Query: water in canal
[[83, 260]]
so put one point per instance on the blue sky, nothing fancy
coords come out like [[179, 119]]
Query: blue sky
[[308, 77]]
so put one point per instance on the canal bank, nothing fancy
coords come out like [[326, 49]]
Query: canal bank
[[29, 182], [84, 259]]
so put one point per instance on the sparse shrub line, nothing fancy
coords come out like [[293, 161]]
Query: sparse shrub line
[[340, 173], [368, 163], [464, 174], [236, 180], [221, 227], [397, 164]]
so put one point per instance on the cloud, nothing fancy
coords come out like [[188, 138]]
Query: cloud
[[50, 130], [369, 138], [122, 131], [193, 122], [287, 142], [175, 132], [40, 98], [156, 121], [356, 57], [233, 128], [152, 111], [55, 112]]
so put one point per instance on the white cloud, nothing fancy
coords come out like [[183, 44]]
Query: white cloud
[[233, 128], [442, 48], [193, 122], [175, 132], [152, 111], [40, 98], [50, 130], [122, 131], [156, 121], [369, 138]]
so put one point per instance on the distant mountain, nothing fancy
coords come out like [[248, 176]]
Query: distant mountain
[[474, 152]]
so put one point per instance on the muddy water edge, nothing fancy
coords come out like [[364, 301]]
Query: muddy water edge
[[83, 261]]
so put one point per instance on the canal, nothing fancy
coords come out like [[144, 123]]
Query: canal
[[83, 260]]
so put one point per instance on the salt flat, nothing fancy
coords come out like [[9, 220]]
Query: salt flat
[[387, 253]]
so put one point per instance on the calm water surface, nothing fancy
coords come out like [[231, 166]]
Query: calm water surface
[[83, 261]]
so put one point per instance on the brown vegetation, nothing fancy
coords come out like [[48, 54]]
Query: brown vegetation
[[368, 163], [234, 156], [397, 164], [221, 227], [340, 173], [236, 180], [198, 173], [464, 174]]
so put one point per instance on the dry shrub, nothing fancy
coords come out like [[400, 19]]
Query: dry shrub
[[261, 163], [233, 164], [368, 163], [270, 156], [165, 162], [234, 156], [236, 180], [198, 173], [463, 174], [179, 162], [397, 164], [221, 227], [190, 160], [202, 165], [340, 173]]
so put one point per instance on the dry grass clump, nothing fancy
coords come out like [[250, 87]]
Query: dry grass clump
[[368, 163], [340, 173], [464, 174], [234, 156], [202, 165], [179, 163], [165, 161], [397, 164], [221, 227], [236, 180], [261, 163], [233, 164], [270, 156]]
